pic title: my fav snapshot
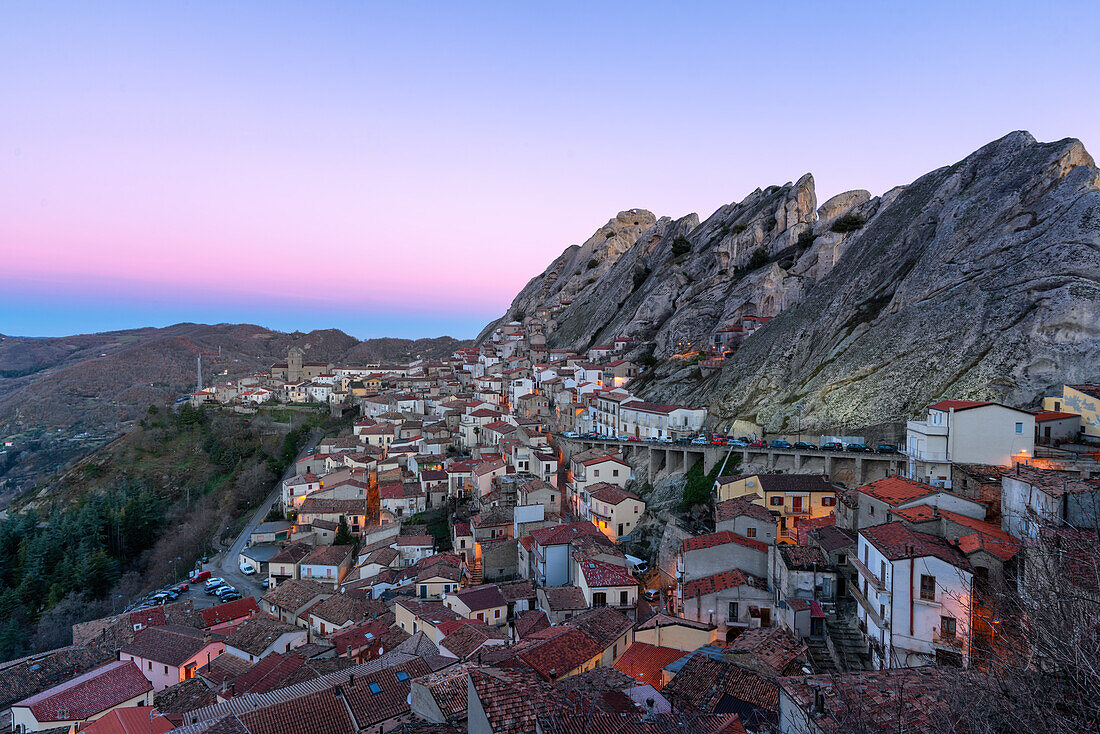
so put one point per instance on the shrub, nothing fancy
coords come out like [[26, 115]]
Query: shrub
[[640, 277], [593, 263], [806, 238], [649, 361], [680, 246], [849, 222], [739, 228], [759, 259]]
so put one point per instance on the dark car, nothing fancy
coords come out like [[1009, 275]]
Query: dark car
[[804, 446], [759, 444], [858, 448], [230, 596], [780, 444], [885, 448], [832, 446]]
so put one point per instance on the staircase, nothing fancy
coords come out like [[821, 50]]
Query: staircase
[[849, 645], [820, 659], [475, 572]]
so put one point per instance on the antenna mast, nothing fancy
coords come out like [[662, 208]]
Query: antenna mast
[[200, 374]]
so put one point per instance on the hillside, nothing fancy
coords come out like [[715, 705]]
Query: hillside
[[980, 280], [93, 386]]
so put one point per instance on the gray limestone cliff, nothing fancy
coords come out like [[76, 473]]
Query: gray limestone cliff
[[978, 280]]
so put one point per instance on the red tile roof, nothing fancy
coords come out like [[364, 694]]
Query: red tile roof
[[644, 662], [742, 506], [563, 653], [612, 494], [1042, 416], [602, 573], [89, 694], [958, 404], [722, 537], [774, 646], [896, 540], [717, 582], [895, 490], [564, 533], [244, 607], [130, 720], [479, 598]]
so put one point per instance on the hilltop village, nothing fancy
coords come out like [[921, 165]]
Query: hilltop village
[[466, 557]]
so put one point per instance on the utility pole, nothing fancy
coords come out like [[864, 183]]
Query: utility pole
[[200, 374]]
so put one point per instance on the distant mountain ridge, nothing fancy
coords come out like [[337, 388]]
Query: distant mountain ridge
[[980, 279], [97, 382]]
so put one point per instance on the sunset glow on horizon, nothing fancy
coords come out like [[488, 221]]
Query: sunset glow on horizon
[[404, 169]]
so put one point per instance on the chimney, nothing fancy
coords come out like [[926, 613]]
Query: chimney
[[819, 703]]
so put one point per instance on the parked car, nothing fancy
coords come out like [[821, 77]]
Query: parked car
[[247, 569], [719, 441], [780, 444], [699, 440], [197, 576], [832, 446], [739, 443], [664, 439], [652, 594], [683, 441], [858, 448], [214, 582], [759, 444], [230, 596], [181, 587], [222, 590], [633, 438], [570, 434], [802, 445], [885, 448]]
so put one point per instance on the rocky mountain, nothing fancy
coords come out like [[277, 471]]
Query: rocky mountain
[[978, 280]]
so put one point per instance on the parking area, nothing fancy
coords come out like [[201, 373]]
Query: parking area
[[196, 592]]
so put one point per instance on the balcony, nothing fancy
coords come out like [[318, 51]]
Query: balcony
[[926, 429], [925, 455], [872, 613], [953, 643]]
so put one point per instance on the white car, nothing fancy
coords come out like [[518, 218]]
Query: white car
[[247, 569], [569, 434]]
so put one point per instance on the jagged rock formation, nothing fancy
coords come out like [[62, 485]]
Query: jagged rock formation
[[977, 280]]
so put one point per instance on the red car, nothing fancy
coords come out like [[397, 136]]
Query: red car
[[197, 576], [759, 444], [181, 587]]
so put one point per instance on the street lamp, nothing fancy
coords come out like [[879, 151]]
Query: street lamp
[[799, 407], [173, 562]]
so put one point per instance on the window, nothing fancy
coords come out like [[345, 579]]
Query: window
[[751, 532], [776, 499], [623, 598], [166, 670], [841, 559], [871, 510], [1019, 428], [150, 664], [947, 626], [595, 472], [375, 688], [828, 501], [882, 571], [402, 675], [496, 614], [927, 587], [732, 611], [615, 472]]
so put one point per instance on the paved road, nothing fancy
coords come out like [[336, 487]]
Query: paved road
[[225, 564]]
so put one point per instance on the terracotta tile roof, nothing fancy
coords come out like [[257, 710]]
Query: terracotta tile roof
[[896, 540], [517, 590], [479, 598], [1042, 416], [722, 537], [706, 685], [321, 711], [510, 698], [564, 533], [958, 404], [1053, 483], [170, 644], [718, 582], [292, 553], [557, 656], [742, 507], [602, 459], [318, 506], [598, 574], [223, 668], [432, 612], [832, 538], [644, 662], [803, 557], [448, 688], [603, 624], [612, 494], [895, 490], [327, 555], [130, 720], [25, 677], [913, 700], [564, 598], [219, 613], [529, 622], [184, 696], [254, 636], [88, 694], [784, 482], [775, 646], [339, 609], [467, 638], [293, 594], [365, 634], [382, 556]]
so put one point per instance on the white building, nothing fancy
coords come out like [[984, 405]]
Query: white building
[[966, 432], [914, 597]]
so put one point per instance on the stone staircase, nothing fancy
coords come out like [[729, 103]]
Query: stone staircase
[[820, 659], [849, 645], [475, 572]]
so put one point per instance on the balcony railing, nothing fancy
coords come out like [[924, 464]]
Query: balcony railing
[[924, 455], [928, 429], [872, 613]]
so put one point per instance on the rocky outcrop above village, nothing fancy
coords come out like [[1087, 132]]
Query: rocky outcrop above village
[[980, 279]]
